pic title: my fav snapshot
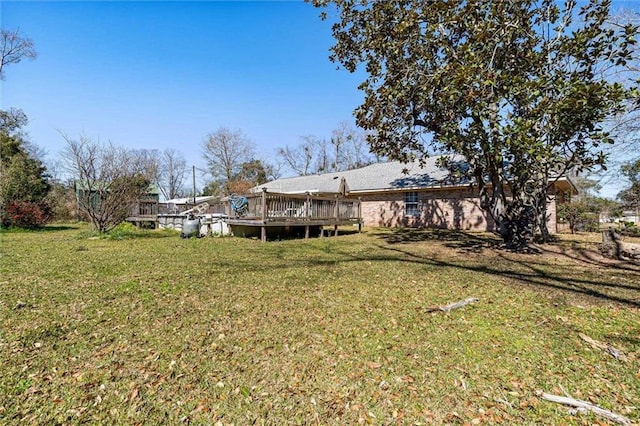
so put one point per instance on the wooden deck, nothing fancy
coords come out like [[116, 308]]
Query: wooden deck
[[268, 212]]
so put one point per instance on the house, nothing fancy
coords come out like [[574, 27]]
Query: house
[[147, 203], [396, 194]]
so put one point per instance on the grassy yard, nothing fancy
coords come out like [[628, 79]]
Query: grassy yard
[[154, 329]]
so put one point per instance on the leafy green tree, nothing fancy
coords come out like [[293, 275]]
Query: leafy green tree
[[254, 171], [62, 200], [584, 213], [214, 188], [512, 86], [630, 196], [24, 183], [584, 210], [251, 173]]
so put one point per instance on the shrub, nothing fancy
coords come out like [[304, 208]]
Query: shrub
[[24, 214], [630, 230]]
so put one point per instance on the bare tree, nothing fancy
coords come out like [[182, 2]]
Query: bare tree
[[172, 174], [347, 149], [147, 160], [225, 152], [167, 169], [300, 159], [108, 179], [275, 168], [352, 150], [14, 47], [625, 126]]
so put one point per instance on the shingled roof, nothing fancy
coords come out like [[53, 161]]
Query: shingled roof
[[373, 178]]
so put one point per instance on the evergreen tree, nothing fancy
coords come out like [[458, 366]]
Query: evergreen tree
[[24, 183]]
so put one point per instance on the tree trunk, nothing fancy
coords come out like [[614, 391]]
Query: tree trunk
[[614, 248]]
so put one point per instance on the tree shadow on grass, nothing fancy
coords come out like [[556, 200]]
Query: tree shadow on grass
[[150, 235], [58, 228], [583, 276], [579, 274], [589, 255], [46, 228], [559, 279], [129, 235], [456, 239]]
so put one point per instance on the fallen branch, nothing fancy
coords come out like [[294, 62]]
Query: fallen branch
[[616, 353], [615, 248], [584, 405], [451, 306]]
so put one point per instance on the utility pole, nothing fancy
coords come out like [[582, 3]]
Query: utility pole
[[194, 185]]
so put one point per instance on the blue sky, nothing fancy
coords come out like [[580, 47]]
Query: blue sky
[[155, 75], [158, 74]]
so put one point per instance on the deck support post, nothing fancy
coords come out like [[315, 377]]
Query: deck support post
[[359, 215], [263, 214], [337, 217], [307, 215]]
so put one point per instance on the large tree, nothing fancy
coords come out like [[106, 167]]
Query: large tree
[[252, 173], [581, 211], [345, 150], [225, 151], [350, 147], [108, 179], [173, 172], [513, 86], [305, 158], [625, 127], [24, 182], [630, 196], [13, 48]]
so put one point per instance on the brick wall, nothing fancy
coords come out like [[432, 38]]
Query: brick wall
[[552, 217], [448, 209]]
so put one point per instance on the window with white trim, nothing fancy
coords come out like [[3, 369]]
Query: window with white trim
[[411, 204]]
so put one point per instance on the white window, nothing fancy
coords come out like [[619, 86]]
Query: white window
[[411, 204]]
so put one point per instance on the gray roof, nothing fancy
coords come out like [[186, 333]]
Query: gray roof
[[374, 178]]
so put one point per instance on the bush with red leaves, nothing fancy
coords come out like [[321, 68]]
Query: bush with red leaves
[[23, 214]]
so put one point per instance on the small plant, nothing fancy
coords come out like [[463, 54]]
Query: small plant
[[22, 385], [630, 229], [123, 231]]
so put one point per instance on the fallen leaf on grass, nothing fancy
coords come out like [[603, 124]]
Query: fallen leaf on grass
[[134, 393]]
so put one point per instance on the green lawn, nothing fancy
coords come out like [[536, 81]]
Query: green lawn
[[155, 329]]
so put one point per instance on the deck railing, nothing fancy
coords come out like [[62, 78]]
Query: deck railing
[[275, 207], [170, 208]]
